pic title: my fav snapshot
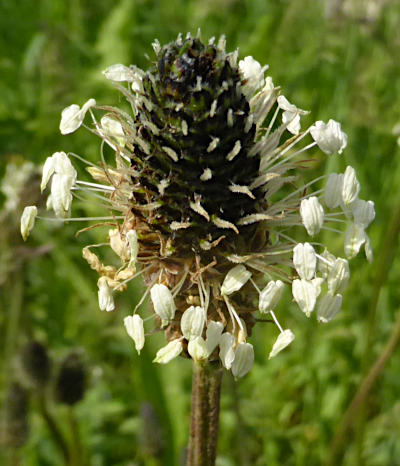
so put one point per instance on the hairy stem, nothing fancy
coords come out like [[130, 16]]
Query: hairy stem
[[206, 391]]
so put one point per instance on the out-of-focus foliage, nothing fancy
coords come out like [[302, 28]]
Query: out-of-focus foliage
[[336, 58]]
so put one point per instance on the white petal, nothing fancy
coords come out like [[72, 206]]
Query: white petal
[[333, 190], [354, 238], [192, 322], [119, 73], [113, 128], [338, 276], [226, 351], [63, 166], [73, 116], [328, 307], [117, 244], [61, 197], [106, 300], [198, 350], [291, 115], [235, 279], [317, 282], [329, 137], [48, 170], [292, 122], [213, 335], [305, 260], [270, 296], [135, 329], [363, 212], [244, 359], [163, 302], [285, 105], [261, 103], [253, 73], [312, 215], [284, 339], [351, 186], [305, 293], [168, 352], [28, 220]]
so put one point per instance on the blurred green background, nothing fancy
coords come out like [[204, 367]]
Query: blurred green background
[[339, 59]]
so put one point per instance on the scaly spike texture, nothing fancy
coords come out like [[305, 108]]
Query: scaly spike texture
[[193, 97]]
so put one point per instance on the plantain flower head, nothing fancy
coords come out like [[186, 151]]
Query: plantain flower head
[[201, 175]]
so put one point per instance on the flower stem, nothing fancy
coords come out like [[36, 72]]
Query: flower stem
[[54, 430], [206, 391]]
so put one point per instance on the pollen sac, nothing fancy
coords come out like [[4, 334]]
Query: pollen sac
[[192, 322], [244, 359], [192, 126], [328, 307], [312, 215], [270, 296]]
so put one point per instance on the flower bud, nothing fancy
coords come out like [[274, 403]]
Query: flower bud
[[192, 322], [106, 300], [168, 352], [244, 359], [28, 220], [163, 303], [351, 186], [235, 279], [305, 260], [270, 296], [333, 190], [312, 215], [339, 276], [135, 329], [329, 137], [284, 339], [226, 351], [305, 293], [328, 307]]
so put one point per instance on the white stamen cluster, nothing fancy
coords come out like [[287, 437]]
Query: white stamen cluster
[[204, 304]]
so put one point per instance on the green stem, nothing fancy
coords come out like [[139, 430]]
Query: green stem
[[56, 433], [76, 451], [206, 392]]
